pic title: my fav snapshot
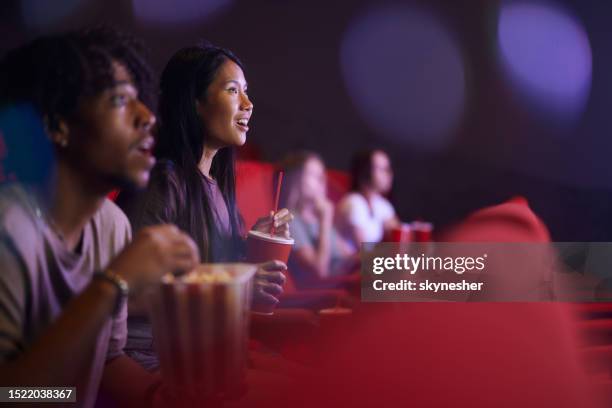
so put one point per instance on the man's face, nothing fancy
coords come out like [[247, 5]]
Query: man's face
[[109, 138]]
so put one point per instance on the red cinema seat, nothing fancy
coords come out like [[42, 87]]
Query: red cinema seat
[[457, 354], [254, 190], [338, 184]]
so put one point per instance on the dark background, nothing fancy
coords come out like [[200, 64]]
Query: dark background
[[291, 52]]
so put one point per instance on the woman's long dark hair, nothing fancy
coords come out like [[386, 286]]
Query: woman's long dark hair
[[361, 168], [181, 140]]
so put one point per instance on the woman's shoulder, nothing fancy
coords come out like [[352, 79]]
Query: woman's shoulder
[[383, 206], [352, 198]]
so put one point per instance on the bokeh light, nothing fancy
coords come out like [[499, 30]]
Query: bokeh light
[[26, 152], [405, 75], [547, 55], [178, 11]]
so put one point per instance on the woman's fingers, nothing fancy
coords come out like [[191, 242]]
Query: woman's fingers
[[270, 288], [273, 277], [282, 217], [279, 221], [263, 298], [274, 265]]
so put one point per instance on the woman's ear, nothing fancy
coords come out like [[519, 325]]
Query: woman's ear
[[57, 131], [198, 107], [202, 107]]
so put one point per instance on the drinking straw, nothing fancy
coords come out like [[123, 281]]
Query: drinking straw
[[279, 182]]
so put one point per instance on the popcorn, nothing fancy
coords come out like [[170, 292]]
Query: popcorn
[[200, 327]]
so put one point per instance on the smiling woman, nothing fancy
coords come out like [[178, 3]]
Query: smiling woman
[[204, 113], [203, 98]]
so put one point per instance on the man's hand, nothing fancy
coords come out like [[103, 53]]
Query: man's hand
[[155, 251]]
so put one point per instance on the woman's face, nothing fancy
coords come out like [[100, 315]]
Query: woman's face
[[225, 109], [382, 174], [314, 180]]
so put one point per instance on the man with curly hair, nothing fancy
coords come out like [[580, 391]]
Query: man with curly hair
[[65, 259]]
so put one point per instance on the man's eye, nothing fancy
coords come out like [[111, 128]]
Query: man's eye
[[119, 100]]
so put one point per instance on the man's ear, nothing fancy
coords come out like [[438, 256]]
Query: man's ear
[[57, 130]]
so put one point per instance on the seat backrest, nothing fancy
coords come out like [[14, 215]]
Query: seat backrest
[[511, 221], [254, 190], [338, 184], [456, 354]]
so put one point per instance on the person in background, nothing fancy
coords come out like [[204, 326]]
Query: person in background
[[364, 214], [319, 251], [204, 114], [65, 253]]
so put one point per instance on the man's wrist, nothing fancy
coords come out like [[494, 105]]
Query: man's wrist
[[121, 287]]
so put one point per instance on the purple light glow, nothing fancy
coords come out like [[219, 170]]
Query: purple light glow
[[547, 55], [178, 11], [405, 75]]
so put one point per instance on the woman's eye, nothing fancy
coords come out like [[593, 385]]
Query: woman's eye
[[233, 90], [119, 100]]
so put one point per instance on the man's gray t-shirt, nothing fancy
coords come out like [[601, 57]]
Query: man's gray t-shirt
[[39, 275]]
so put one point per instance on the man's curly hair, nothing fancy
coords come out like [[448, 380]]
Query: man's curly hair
[[54, 73]]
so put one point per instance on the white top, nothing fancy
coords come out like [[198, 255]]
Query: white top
[[354, 210]]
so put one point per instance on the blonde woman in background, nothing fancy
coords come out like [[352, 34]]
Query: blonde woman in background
[[319, 251]]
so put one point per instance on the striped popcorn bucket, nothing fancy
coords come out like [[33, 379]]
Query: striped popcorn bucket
[[200, 329]]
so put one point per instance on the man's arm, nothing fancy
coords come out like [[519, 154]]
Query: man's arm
[[349, 216], [58, 355]]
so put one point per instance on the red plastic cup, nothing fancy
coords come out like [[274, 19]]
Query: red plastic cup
[[401, 233], [264, 247], [422, 231]]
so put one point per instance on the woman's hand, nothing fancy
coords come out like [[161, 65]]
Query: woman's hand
[[324, 208], [268, 283], [280, 221]]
